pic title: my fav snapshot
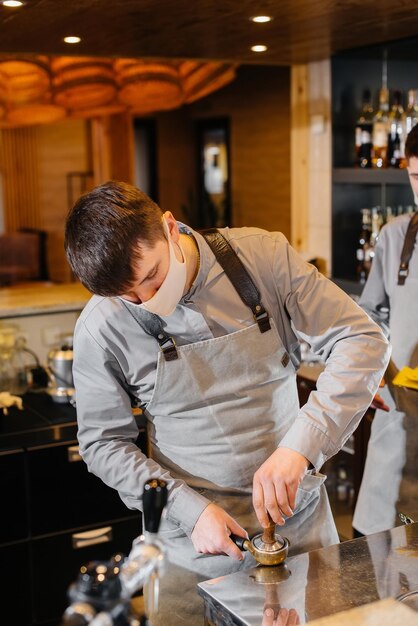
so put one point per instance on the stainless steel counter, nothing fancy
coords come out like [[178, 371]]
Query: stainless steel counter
[[319, 583]]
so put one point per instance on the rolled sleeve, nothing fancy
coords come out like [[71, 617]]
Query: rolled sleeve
[[355, 352]]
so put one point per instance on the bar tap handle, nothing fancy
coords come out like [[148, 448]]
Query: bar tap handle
[[154, 500]]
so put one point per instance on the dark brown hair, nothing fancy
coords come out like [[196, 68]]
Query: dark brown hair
[[104, 233], [411, 144]]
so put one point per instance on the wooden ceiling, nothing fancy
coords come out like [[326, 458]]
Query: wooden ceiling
[[301, 30]]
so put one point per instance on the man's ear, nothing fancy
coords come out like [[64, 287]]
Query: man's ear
[[172, 226]]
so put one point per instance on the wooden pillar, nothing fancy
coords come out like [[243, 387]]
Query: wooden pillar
[[299, 151], [113, 148], [311, 161]]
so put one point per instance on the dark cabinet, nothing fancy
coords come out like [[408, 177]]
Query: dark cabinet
[[56, 516], [14, 519], [15, 572], [64, 495], [56, 561]]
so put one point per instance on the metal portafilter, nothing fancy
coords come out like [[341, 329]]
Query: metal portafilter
[[102, 592], [268, 547]]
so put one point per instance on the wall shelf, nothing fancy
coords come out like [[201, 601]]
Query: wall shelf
[[351, 175]]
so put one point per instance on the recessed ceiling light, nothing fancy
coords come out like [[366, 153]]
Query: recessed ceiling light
[[12, 3], [72, 39], [259, 48], [261, 19]]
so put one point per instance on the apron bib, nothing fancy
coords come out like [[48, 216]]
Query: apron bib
[[218, 411]]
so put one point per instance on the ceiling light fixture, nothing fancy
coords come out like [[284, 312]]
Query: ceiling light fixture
[[261, 19], [12, 3], [259, 48], [72, 39]]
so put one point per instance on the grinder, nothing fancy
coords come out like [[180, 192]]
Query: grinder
[[268, 547]]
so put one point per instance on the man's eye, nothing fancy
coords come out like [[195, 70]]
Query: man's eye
[[152, 274]]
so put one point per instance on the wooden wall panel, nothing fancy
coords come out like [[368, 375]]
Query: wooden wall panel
[[258, 105], [112, 140], [62, 149], [19, 164], [176, 162]]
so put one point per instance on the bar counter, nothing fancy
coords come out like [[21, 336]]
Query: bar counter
[[321, 583], [36, 298]]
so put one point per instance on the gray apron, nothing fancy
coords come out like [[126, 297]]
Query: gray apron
[[390, 482], [218, 411]]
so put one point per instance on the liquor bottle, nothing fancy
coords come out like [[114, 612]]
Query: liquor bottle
[[396, 132], [363, 246], [377, 223], [380, 131], [364, 129], [389, 215], [411, 113], [411, 118]]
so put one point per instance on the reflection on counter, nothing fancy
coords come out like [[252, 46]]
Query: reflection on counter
[[322, 582]]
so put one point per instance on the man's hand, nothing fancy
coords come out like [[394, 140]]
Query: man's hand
[[285, 617], [379, 403], [275, 485], [211, 533]]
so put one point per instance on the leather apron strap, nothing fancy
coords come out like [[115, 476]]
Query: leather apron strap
[[408, 248], [238, 275], [153, 325], [240, 279]]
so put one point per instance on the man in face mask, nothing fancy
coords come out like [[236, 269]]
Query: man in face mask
[[202, 332]]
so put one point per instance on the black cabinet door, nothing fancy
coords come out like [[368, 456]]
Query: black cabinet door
[[15, 594], [13, 520], [56, 562], [64, 495]]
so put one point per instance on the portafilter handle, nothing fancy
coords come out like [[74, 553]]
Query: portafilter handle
[[154, 500]]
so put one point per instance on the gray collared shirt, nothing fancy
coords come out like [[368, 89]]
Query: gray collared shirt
[[115, 360]]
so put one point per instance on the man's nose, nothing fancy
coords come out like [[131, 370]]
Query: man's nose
[[146, 293]]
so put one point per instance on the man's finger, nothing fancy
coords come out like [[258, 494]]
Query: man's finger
[[258, 504], [271, 504], [230, 549]]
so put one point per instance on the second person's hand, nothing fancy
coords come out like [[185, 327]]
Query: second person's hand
[[275, 485]]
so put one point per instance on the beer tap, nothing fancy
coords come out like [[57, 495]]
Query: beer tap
[[101, 595]]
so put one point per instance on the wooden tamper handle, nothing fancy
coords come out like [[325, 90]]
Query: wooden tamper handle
[[268, 533]]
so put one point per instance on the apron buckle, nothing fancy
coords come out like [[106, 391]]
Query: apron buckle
[[262, 318], [168, 347]]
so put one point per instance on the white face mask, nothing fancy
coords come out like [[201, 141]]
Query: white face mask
[[165, 300]]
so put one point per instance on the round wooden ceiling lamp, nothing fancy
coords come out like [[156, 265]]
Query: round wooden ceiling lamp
[[147, 86], [27, 78], [81, 83], [34, 114], [201, 79]]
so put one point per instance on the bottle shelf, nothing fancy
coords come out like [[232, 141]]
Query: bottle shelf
[[370, 176]]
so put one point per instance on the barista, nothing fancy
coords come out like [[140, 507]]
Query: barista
[[203, 333]]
